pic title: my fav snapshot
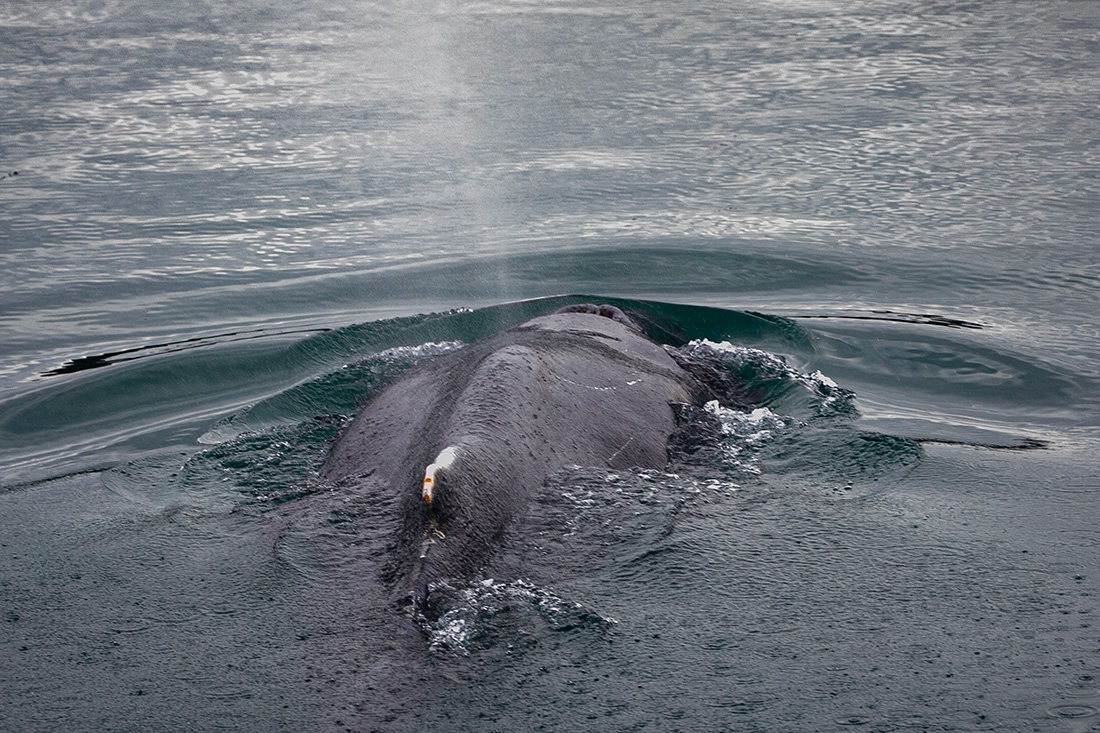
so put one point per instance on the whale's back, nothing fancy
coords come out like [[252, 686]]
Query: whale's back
[[507, 412]]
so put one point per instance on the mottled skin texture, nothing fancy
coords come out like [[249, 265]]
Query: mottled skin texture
[[571, 388]]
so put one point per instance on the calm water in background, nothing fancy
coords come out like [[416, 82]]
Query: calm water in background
[[219, 205]]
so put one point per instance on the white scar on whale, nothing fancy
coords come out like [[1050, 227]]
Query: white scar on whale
[[445, 459]]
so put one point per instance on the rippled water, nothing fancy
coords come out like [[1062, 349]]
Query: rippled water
[[220, 221], [185, 168]]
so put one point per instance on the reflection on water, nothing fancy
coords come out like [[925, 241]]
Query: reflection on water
[[173, 158]]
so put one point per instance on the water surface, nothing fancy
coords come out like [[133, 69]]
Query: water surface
[[225, 224]]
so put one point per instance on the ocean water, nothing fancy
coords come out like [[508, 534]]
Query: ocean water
[[224, 225]]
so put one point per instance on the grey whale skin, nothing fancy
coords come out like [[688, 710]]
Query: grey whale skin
[[481, 428]]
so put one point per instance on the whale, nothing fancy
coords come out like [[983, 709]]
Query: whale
[[461, 443]]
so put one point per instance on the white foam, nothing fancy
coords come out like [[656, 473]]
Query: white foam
[[745, 431], [740, 354], [429, 348], [771, 365], [484, 599]]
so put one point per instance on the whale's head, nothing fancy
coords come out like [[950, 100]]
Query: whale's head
[[607, 311]]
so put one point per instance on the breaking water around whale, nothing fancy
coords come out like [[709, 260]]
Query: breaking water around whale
[[803, 530]]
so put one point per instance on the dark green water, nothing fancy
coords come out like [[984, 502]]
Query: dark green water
[[223, 226]]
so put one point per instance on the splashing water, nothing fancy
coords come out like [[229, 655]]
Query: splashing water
[[745, 432], [773, 381], [488, 609]]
